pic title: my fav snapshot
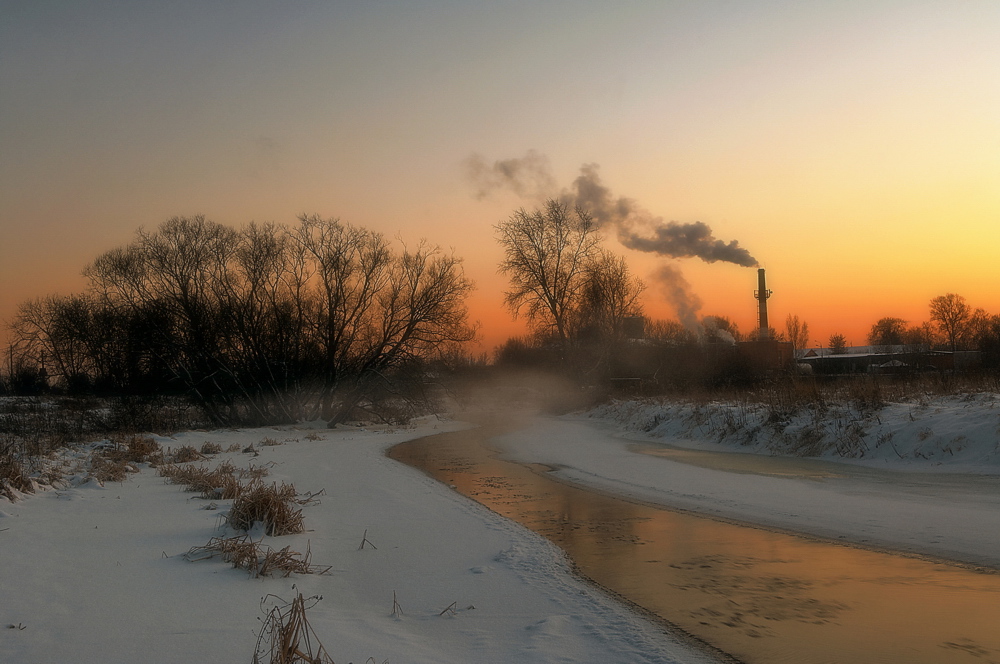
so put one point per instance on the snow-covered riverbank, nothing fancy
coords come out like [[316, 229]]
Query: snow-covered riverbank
[[908, 495], [97, 574]]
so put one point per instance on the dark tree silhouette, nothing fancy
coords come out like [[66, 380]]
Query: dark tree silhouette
[[838, 344], [262, 324], [887, 331], [952, 314], [547, 253]]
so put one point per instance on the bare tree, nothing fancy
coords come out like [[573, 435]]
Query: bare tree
[[798, 332], [920, 337], [546, 257], [375, 309], [263, 324], [348, 267], [609, 296], [977, 327], [952, 314], [669, 332], [180, 269], [988, 341], [46, 336]]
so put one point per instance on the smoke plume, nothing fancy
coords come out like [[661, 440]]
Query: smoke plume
[[530, 177], [638, 229], [678, 292]]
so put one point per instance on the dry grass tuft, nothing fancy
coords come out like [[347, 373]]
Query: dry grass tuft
[[125, 450], [109, 468], [209, 481], [289, 562], [138, 449], [287, 637], [270, 442], [257, 558], [186, 453], [220, 483], [187, 474], [14, 478], [210, 448], [254, 472], [220, 486], [241, 551], [270, 505]]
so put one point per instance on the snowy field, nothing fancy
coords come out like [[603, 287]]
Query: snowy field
[[95, 574], [919, 477]]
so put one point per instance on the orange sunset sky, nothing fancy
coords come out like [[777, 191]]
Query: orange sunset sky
[[853, 148]]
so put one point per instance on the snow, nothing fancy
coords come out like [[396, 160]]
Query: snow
[[97, 573]]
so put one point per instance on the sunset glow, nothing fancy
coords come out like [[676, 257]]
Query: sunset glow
[[852, 148]]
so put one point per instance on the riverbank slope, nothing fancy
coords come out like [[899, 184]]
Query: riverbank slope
[[909, 495]]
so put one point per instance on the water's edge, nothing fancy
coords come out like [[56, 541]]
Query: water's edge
[[759, 594]]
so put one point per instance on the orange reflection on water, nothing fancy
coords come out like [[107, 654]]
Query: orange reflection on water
[[759, 595]]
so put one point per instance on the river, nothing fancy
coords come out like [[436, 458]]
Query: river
[[759, 595]]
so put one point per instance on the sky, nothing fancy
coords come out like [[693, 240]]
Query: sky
[[853, 148]]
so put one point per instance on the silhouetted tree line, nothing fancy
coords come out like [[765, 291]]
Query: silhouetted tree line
[[666, 355], [954, 325], [265, 323]]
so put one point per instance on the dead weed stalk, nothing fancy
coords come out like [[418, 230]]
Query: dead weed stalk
[[286, 636]]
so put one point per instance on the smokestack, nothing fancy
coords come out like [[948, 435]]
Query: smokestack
[[761, 295]]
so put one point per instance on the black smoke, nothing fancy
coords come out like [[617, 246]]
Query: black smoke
[[638, 229], [530, 177]]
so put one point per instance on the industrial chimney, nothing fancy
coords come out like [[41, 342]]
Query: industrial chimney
[[761, 295]]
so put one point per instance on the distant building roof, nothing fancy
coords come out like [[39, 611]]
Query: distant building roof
[[901, 349]]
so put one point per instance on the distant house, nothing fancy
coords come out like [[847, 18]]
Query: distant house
[[887, 359]]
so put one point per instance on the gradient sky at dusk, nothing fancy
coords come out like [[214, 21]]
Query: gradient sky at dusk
[[852, 147]]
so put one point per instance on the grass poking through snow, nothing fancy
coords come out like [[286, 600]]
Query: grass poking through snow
[[257, 558], [271, 505], [287, 637]]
